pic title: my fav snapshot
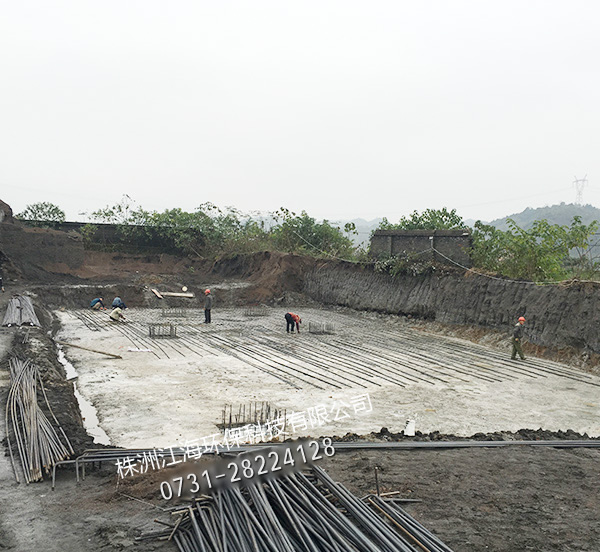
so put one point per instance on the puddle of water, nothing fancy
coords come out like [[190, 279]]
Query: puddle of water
[[88, 411]]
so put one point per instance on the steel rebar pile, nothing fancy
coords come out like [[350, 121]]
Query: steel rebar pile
[[36, 440], [20, 311], [300, 512]]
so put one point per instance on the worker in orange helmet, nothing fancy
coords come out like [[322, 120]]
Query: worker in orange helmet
[[292, 319], [517, 338], [208, 303]]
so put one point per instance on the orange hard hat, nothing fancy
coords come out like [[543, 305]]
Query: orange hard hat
[[521, 319], [206, 291]]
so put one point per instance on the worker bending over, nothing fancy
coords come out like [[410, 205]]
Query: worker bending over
[[97, 304], [516, 340], [116, 315], [292, 319]]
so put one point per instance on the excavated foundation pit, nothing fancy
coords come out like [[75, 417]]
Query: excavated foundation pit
[[165, 391]]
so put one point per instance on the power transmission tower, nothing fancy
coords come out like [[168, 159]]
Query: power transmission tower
[[579, 184]]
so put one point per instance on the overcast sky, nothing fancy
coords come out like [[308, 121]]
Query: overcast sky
[[342, 108]]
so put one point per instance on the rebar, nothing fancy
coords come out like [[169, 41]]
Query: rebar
[[36, 440], [321, 328], [161, 329], [258, 412], [256, 311], [19, 312], [299, 512], [173, 312]]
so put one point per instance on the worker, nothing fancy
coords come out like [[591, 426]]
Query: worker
[[517, 339], [117, 315], [208, 303], [117, 302], [292, 319], [97, 304]]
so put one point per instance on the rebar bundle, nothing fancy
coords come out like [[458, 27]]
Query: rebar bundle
[[37, 442], [301, 512], [20, 311], [321, 328]]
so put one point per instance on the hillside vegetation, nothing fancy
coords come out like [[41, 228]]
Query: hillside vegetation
[[535, 249]]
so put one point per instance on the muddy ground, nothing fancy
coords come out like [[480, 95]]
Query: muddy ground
[[505, 500]]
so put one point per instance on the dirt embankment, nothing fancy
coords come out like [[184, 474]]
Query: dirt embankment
[[39, 254], [266, 277], [557, 316]]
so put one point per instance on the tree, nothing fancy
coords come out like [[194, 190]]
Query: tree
[[124, 212], [206, 231], [537, 254], [430, 219], [210, 231], [42, 213], [302, 233], [209, 228]]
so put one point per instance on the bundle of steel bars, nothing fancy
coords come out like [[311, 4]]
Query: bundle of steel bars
[[301, 512], [321, 328], [36, 440], [20, 311]]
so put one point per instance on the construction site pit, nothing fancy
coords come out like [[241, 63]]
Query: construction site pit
[[166, 379]]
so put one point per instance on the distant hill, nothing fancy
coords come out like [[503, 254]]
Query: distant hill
[[555, 214]]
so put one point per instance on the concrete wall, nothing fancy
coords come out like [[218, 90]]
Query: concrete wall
[[455, 244], [557, 316]]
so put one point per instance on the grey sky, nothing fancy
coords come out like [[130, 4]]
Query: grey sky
[[342, 108]]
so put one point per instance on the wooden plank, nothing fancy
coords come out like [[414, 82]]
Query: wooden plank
[[177, 294], [157, 293], [86, 349]]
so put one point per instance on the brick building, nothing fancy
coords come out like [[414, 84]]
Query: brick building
[[432, 244]]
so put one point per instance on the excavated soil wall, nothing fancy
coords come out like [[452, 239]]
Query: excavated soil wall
[[557, 316], [40, 253]]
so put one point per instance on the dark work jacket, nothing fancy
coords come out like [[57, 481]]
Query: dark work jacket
[[208, 302], [518, 332]]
